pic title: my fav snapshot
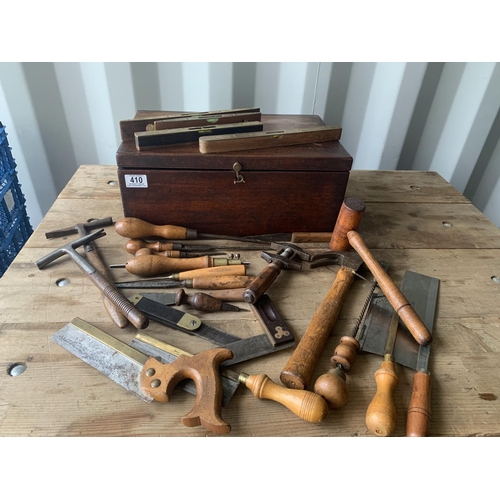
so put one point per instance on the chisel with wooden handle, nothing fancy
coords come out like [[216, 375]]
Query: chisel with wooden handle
[[201, 282], [269, 139], [153, 265]]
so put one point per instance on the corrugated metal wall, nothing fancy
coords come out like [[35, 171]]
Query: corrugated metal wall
[[434, 116]]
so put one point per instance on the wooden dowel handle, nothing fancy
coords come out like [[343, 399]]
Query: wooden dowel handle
[[394, 295], [419, 410], [298, 371]]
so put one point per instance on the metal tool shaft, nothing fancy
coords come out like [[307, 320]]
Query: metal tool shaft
[[138, 319]]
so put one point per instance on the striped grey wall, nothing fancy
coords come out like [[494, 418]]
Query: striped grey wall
[[442, 117]]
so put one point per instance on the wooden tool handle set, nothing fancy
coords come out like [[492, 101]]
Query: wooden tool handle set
[[159, 258], [309, 402]]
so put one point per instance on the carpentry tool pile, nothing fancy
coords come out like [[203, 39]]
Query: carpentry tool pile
[[220, 131], [393, 323]]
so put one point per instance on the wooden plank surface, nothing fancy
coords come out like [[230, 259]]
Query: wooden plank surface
[[59, 395]]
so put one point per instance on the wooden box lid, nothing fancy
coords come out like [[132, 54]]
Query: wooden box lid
[[326, 156]]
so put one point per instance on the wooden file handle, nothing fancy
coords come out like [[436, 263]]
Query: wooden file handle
[[419, 411], [381, 415], [298, 371], [305, 404], [394, 295]]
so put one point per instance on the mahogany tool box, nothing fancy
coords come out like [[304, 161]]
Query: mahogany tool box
[[296, 188]]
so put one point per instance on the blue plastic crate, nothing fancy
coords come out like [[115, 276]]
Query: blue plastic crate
[[15, 228]]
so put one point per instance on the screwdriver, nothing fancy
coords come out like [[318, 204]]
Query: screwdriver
[[152, 265], [162, 246], [202, 283], [174, 253], [131, 227]]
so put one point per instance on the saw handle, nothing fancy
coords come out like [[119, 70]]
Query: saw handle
[[298, 371], [419, 410], [305, 404], [381, 415], [396, 298], [131, 227]]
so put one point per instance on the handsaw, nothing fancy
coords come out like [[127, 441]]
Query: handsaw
[[130, 367], [276, 337], [148, 378]]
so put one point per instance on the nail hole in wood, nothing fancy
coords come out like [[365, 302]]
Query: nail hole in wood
[[62, 281], [447, 224], [16, 369]]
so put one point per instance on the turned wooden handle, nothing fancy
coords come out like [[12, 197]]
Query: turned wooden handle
[[419, 411], [381, 415], [261, 283], [131, 227], [394, 295], [153, 265], [300, 366], [305, 404], [233, 270], [332, 387], [221, 282], [167, 253]]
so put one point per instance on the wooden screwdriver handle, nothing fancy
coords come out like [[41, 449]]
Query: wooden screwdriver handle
[[305, 404], [419, 410], [394, 295], [298, 371], [131, 227], [381, 415]]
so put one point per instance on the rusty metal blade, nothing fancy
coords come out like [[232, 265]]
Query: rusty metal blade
[[113, 358], [421, 291]]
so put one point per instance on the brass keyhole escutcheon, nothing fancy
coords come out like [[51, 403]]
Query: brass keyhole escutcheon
[[239, 178]]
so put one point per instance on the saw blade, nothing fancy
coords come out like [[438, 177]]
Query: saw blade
[[421, 291], [105, 353]]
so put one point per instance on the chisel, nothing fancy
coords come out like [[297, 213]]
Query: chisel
[[152, 265], [132, 227], [202, 283]]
